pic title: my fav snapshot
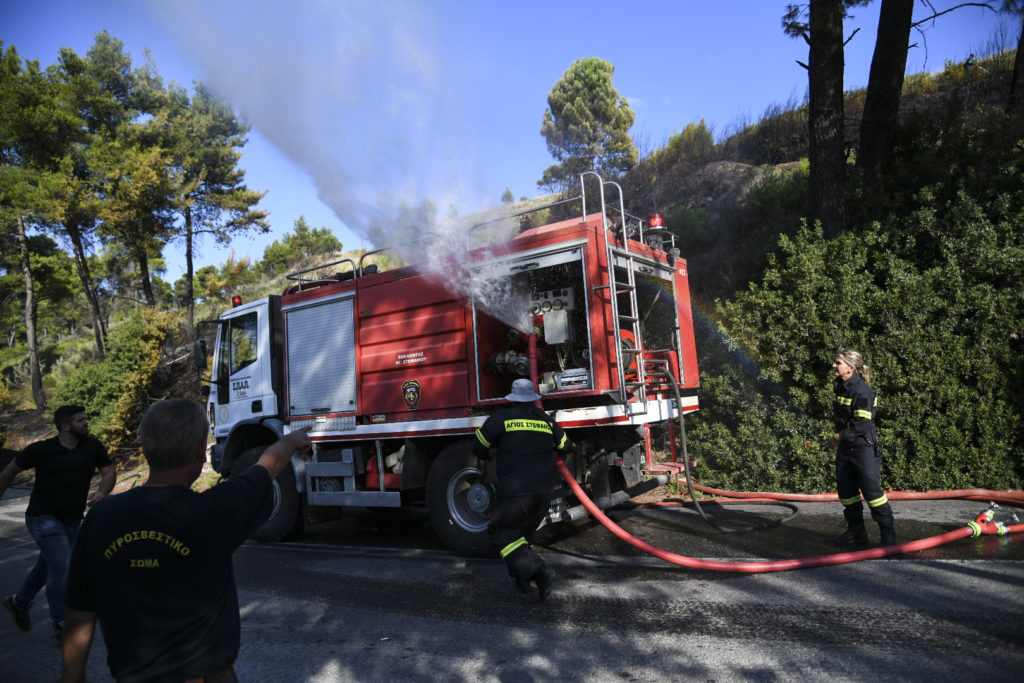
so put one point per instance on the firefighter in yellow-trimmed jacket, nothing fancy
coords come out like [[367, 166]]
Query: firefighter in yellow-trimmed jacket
[[525, 438], [859, 452]]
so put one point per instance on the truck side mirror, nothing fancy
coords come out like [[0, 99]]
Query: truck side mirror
[[199, 354]]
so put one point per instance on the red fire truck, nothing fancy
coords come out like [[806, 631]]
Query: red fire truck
[[394, 370]]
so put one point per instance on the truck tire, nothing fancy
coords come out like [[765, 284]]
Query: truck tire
[[457, 498], [286, 515]]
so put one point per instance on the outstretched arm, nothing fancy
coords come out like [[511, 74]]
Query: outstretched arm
[[275, 458]]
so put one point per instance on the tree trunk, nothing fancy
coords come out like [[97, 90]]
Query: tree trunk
[[147, 285], [189, 294], [90, 294], [38, 396], [1015, 107], [825, 88], [885, 86]]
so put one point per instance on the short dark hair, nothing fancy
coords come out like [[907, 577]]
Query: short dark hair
[[64, 414], [171, 432]]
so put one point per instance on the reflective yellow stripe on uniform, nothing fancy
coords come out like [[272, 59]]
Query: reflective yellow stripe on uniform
[[513, 546], [481, 439], [527, 426], [844, 401], [853, 500], [561, 444], [866, 414], [878, 501]]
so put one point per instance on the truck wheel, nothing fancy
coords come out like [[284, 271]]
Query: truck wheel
[[459, 502], [286, 514]]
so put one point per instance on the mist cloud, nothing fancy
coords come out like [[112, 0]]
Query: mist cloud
[[359, 94]]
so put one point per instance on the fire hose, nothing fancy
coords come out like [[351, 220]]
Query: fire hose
[[983, 524]]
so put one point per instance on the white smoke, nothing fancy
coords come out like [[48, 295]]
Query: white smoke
[[359, 95], [354, 92]]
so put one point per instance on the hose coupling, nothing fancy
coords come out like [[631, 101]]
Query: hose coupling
[[983, 524]]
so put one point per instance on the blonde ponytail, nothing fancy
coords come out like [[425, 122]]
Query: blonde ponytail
[[857, 361]]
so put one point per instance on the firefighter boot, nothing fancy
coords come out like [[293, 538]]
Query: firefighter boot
[[856, 535], [888, 534], [543, 580]]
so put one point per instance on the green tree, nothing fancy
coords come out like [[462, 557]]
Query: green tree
[[885, 85], [17, 187], [507, 197], [31, 130], [97, 97], [1015, 104], [299, 244], [695, 144], [586, 125], [205, 137], [823, 33], [139, 190]]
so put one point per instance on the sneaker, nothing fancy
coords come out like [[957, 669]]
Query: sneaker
[[58, 633], [543, 579], [20, 614]]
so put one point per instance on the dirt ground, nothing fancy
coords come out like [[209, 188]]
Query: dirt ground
[[19, 428]]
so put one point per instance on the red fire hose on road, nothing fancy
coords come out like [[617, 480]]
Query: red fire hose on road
[[983, 524], [1015, 498]]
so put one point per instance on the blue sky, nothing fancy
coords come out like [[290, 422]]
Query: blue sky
[[361, 104]]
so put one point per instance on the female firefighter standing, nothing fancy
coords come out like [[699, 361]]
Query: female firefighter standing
[[859, 453]]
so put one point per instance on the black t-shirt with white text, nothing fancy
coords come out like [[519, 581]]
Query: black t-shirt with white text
[[154, 563]]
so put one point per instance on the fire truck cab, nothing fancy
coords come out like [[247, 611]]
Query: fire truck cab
[[394, 370]]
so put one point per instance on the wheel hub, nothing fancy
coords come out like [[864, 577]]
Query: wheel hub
[[479, 498]]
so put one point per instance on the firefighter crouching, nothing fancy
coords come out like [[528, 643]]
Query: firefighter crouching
[[524, 437], [859, 452]]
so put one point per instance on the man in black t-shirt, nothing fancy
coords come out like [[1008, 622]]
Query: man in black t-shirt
[[153, 565], [64, 468], [525, 438]]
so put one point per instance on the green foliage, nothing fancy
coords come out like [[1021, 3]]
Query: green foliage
[[696, 144], [58, 294], [930, 292], [303, 243], [586, 125], [114, 391], [507, 197]]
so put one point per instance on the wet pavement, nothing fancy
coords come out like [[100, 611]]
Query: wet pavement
[[374, 596], [725, 531]]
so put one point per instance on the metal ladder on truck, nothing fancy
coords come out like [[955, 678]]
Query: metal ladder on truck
[[628, 319]]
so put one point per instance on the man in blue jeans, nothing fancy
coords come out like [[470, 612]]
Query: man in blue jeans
[[64, 468]]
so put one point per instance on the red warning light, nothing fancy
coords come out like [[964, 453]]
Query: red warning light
[[236, 301], [656, 220]]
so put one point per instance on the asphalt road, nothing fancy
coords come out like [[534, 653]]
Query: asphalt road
[[373, 597]]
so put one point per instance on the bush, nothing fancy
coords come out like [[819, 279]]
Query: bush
[[942, 334], [113, 391]]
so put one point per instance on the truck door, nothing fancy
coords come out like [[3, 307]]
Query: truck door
[[242, 372]]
